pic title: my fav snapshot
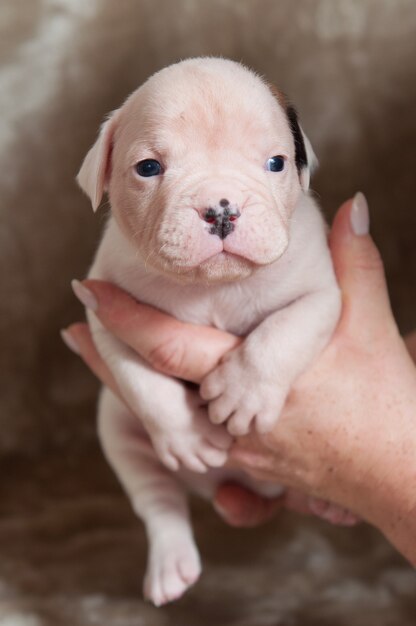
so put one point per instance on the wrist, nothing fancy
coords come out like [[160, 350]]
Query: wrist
[[379, 466], [389, 504], [410, 341]]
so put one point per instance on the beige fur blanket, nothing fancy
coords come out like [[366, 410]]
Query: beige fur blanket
[[71, 552]]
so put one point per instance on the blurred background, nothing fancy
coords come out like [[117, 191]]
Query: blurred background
[[71, 551]]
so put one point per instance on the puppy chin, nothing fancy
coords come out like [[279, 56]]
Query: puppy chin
[[223, 267], [218, 268]]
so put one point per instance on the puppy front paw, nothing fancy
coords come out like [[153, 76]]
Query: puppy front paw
[[237, 393], [198, 447]]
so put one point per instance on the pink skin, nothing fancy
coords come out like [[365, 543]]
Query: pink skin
[[358, 456]]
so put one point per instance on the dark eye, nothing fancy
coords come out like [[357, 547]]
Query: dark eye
[[275, 164], [148, 167]]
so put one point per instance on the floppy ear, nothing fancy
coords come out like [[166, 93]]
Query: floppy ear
[[95, 169], [305, 158]]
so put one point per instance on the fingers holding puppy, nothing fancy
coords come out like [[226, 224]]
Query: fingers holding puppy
[[234, 394], [175, 348], [78, 338], [197, 449]]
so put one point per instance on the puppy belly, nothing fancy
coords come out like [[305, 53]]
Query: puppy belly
[[205, 485]]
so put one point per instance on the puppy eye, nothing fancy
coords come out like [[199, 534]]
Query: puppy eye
[[275, 164], [148, 167]]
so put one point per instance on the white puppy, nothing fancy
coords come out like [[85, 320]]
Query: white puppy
[[207, 172]]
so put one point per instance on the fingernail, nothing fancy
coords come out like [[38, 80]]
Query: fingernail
[[70, 341], [359, 216], [84, 295]]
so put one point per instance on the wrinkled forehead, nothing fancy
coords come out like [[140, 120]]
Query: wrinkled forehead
[[185, 107]]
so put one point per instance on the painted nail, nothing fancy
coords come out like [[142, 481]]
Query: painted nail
[[359, 216], [84, 295], [70, 341]]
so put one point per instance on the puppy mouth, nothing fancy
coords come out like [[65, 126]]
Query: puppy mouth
[[218, 257], [220, 244], [222, 262], [221, 256]]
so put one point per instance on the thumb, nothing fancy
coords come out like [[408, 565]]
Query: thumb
[[359, 270]]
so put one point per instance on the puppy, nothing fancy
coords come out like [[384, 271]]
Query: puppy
[[207, 170]]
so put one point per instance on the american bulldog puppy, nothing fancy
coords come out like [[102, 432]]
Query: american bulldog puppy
[[207, 171]]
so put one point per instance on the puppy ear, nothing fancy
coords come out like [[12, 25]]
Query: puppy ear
[[95, 169], [305, 158]]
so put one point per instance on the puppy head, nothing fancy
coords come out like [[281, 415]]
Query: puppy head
[[203, 164]]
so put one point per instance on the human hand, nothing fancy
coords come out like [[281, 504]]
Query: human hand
[[347, 422], [347, 432]]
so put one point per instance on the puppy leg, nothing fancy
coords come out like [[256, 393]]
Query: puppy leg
[[157, 498], [252, 381], [172, 414]]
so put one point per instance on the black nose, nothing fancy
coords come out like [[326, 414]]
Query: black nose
[[222, 218]]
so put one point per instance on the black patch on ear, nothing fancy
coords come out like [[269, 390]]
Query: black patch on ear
[[301, 159]]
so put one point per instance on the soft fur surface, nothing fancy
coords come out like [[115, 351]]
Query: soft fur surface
[[70, 547]]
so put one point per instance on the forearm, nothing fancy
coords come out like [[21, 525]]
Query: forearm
[[395, 515], [391, 496], [388, 499], [377, 476], [399, 525]]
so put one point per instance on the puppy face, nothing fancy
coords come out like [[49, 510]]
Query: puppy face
[[203, 165]]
